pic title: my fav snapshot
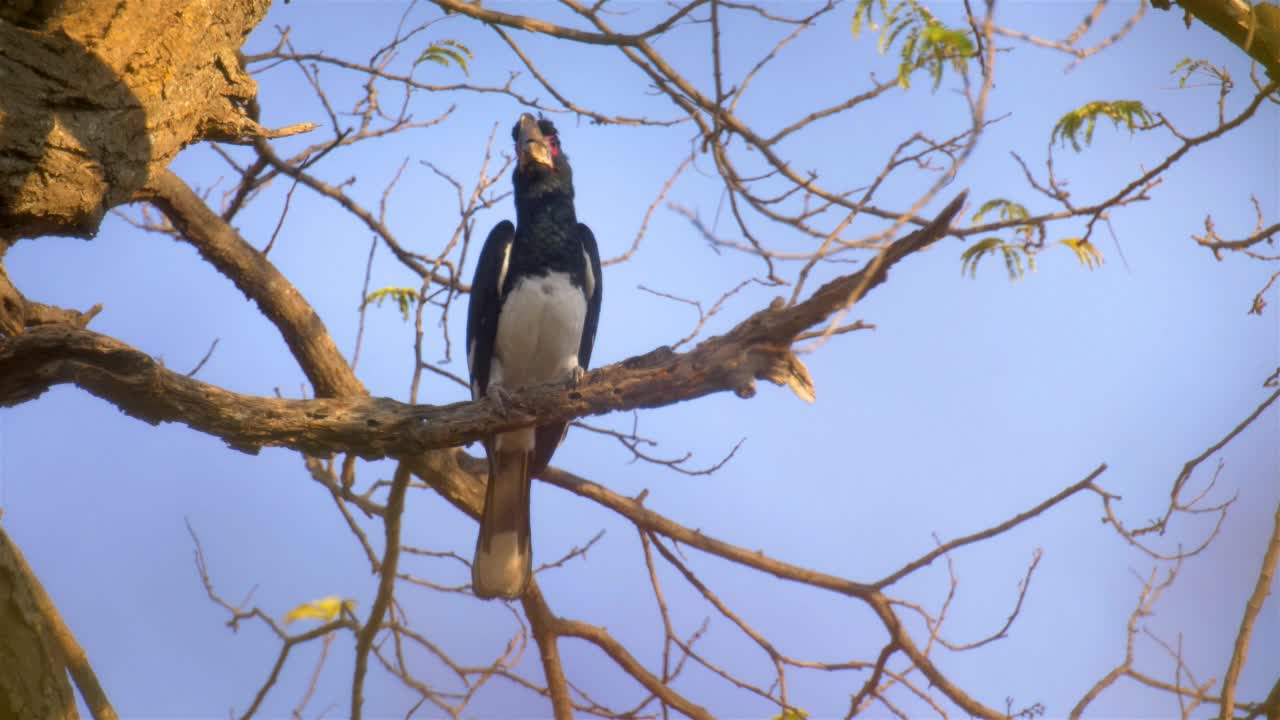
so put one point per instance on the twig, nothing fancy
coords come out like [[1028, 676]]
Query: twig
[[204, 359], [386, 586], [1086, 483]]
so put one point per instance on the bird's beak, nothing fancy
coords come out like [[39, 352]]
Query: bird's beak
[[531, 145]]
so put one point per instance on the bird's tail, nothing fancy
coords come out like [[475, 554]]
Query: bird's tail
[[504, 553]]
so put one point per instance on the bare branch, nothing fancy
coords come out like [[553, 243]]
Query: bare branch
[[386, 586], [1086, 483], [1252, 608], [545, 633], [257, 278]]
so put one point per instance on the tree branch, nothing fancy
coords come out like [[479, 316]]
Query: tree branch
[[1251, 610], [386, 586], [260, 281], [759, 347], [101, 96], [77, 661], [520, 22], [543, 623], [600, 638], [1253, 26]]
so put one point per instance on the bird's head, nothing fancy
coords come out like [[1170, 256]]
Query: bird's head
[[539, 158]]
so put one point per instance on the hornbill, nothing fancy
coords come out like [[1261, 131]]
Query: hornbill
[[535, 302]]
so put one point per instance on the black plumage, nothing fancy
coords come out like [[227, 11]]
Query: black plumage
[[535, 305]]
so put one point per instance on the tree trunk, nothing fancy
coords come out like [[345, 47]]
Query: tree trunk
[[33, 672], [99, 96]]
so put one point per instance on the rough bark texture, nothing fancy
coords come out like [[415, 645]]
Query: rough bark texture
[[1253, 26], [18, 313], [260, 281], [758, 348], [34, 684], [99, 95], [13, 307], [96, 97]]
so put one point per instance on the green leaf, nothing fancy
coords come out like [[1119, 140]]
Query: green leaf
[[940, 45], [1189, 67], [926, 43], [791, 714], [404, 297], [1008, 211], [444, 52], [1130, 113], [863, 10], [1017, 258]]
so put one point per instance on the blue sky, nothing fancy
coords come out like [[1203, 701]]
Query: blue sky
[[972, 400]]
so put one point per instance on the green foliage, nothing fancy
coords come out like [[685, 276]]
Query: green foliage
[[927, 44], [1130, 113], [444, 52], [862, 13], [404, 297], [791, 714], [1203, 68], [1021, 257], [1008, 211], [1018, 258], [1086, 253]]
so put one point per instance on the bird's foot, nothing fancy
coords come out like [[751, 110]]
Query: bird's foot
[[500, 398], [574, 378]]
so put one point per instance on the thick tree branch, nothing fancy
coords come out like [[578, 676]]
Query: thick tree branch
[[759, 347], [260, 281], [27, 593], [1251, 610], [345, 419], [1253, 26], [18, 313], [543, 624]]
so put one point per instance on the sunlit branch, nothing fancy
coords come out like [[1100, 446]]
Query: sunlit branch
[[257, 278], [1252, 609]]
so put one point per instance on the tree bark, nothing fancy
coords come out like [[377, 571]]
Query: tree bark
[[1253, 26], [99, 96], [758, 348], [34, 681]]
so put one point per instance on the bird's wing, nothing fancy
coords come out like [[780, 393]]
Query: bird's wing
[[486, 301], [596, 291]]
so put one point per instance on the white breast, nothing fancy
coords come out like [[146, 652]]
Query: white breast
[[539, 331]]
